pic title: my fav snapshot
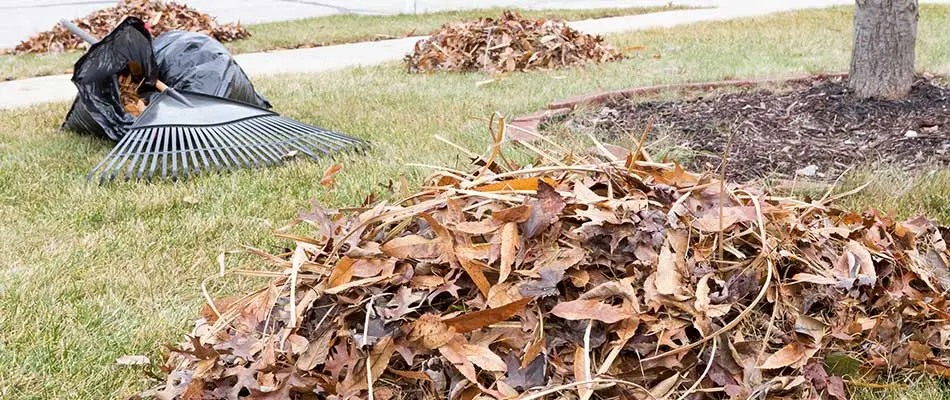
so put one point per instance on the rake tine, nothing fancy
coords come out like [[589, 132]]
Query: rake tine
[[166, 150], [326, 147], [182, 151], [226, 156], [104, 160], [134, 142], [344, 138], [190, 150], [267, 155], [326, 138], [191, 168], [149, 152], [201, 149], [202, 136], [237, 147], [144, 142], [157, 152], [277, 142], [300, 135], [330, 139], [173, 152], [120, 148], [279, 139], [285, 138]]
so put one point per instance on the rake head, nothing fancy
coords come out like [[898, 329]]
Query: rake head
[[218, 136]]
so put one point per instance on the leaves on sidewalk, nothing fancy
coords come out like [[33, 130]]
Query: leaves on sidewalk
[[162, 16]]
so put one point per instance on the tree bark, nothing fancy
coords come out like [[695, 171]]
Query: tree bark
[[882, 58]]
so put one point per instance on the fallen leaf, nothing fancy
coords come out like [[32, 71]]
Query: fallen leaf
[[524, 184], [509, 249], [788, 355], [590, 309], [480, 319], [316, 353], [545, 209], [546, 286], [431, 332], [475, 272], [855, 267], [342, 272], [836, 388], [412, 246], [669, 280], [519, 214], [483, 357], [662, 389], [581, 372], [328, 175], [379, 357]]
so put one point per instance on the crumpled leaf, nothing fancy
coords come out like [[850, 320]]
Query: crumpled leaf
[[412, 246], [590, 309], [788, 355], [509, 248], [545, 209], [480, 319]]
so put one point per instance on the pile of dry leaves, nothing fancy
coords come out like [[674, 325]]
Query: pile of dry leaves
[[162, 16], [507, 44], [602, 276]]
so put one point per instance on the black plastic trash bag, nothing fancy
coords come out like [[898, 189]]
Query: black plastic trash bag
[[183, 60], [97, 108], [198, 63]]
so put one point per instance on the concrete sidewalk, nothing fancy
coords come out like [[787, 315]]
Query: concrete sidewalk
[[25, 18], [21, 93]]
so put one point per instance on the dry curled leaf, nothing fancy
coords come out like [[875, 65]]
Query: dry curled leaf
[[480, 319], [590, 309]]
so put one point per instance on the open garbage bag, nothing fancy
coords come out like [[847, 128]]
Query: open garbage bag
[[183, 60], [97, 108]]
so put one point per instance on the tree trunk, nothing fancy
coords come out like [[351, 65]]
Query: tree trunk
[[882, 59]]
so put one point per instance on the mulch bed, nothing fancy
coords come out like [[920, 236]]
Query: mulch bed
[[811, 128]]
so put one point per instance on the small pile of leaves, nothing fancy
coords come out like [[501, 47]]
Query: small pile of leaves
[[161, 16], [606, 275], [510, 43], [132, 103]]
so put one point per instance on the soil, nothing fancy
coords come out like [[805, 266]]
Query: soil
[[814, 128]]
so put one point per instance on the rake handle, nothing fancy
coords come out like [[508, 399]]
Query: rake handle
[[161, 86]]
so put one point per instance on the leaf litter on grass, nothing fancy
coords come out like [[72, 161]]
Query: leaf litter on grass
[[506, 44], [161, 16], [595, 275]]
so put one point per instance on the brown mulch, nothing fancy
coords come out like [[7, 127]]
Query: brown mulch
[[814, 127], [595, 276], [508, 43], [161, 16]]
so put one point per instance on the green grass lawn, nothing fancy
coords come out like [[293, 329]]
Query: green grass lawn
[[321, 31], [93, 273]]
